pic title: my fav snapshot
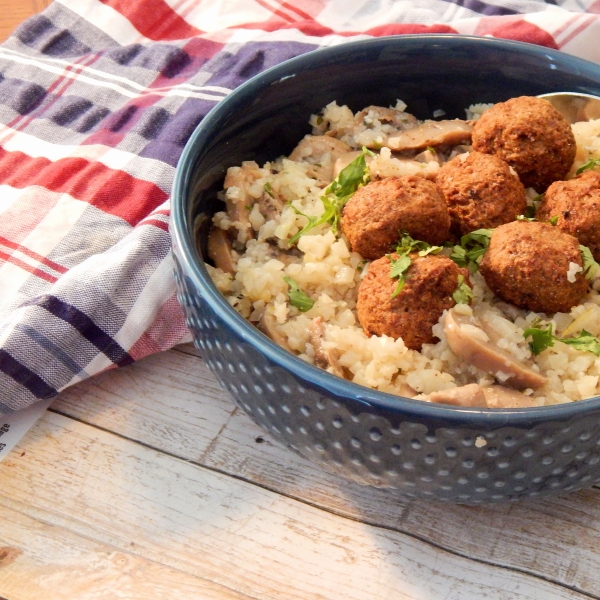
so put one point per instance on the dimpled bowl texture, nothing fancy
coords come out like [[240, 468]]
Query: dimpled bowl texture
[[426, 450]]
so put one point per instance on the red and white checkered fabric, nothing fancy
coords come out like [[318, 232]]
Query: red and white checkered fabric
[[97, 99]]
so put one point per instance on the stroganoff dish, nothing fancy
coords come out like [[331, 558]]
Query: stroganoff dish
[[451, 261]]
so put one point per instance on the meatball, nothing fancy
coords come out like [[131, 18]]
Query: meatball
[[481, 191], [531, 136], [576, 203], [429, 285], [530, 264], [377, 213]]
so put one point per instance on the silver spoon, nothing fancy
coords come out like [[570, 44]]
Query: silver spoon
[[574, 106]]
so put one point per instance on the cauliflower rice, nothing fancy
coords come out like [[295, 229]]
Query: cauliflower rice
[[327, 270]]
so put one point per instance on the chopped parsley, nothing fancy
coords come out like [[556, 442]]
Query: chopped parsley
[[463, 292], [592, 163], [585, 342], [471, 249], [551, 221], [407, 244], [398, 270], [542, 338], [399, 266], [297, 297], [361, 265], [590, 266], [267, 187], [337, 193]]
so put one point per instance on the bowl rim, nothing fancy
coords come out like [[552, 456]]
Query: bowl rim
[[194, 268]]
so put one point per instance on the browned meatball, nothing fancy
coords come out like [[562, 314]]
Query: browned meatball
[[576, 203], [531, 136], [527, 264], [377, 213], [430, 282], [481, 192]]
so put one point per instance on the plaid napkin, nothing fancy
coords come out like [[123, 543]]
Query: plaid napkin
[[97, 100]]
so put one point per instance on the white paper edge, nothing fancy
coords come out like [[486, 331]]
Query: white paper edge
[[13, 426]]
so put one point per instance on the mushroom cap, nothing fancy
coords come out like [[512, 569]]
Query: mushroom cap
[[486, 355]]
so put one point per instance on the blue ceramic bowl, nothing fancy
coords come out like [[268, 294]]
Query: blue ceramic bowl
[[426, 450]]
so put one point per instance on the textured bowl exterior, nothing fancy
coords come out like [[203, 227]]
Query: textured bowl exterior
[[425, 450]]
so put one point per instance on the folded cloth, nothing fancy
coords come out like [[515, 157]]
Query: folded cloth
[[97, 100]]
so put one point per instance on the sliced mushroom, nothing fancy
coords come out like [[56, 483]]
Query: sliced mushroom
[[591, 111], [387, 164], [398, 119], [499, 396], [431, 134], [320, 152], [464, 395], [220, 251], [474, 395], [345, 159], [479, 351], [270, 206], [268, 325], [239, 215], [325, 358], [428, 155], [240, 205]]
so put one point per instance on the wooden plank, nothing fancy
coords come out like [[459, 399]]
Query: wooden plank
[[40, 560], [13, 12], [172, 402], [94, 485]]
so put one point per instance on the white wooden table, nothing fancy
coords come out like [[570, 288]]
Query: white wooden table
[[148, 483]]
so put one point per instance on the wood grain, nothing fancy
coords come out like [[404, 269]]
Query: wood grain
[[50, 561], [13, 12], [148, 483], [101, 491], [173, 403]]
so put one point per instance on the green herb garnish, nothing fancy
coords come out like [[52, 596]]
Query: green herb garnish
[[407, 245], [463, 292], [337, 193], [297, 297], [471, 249], [590, 266], [398, 270], [540, 338], [551, 221], [267, 187], [544, 338], [585, 342], [592, 163]]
